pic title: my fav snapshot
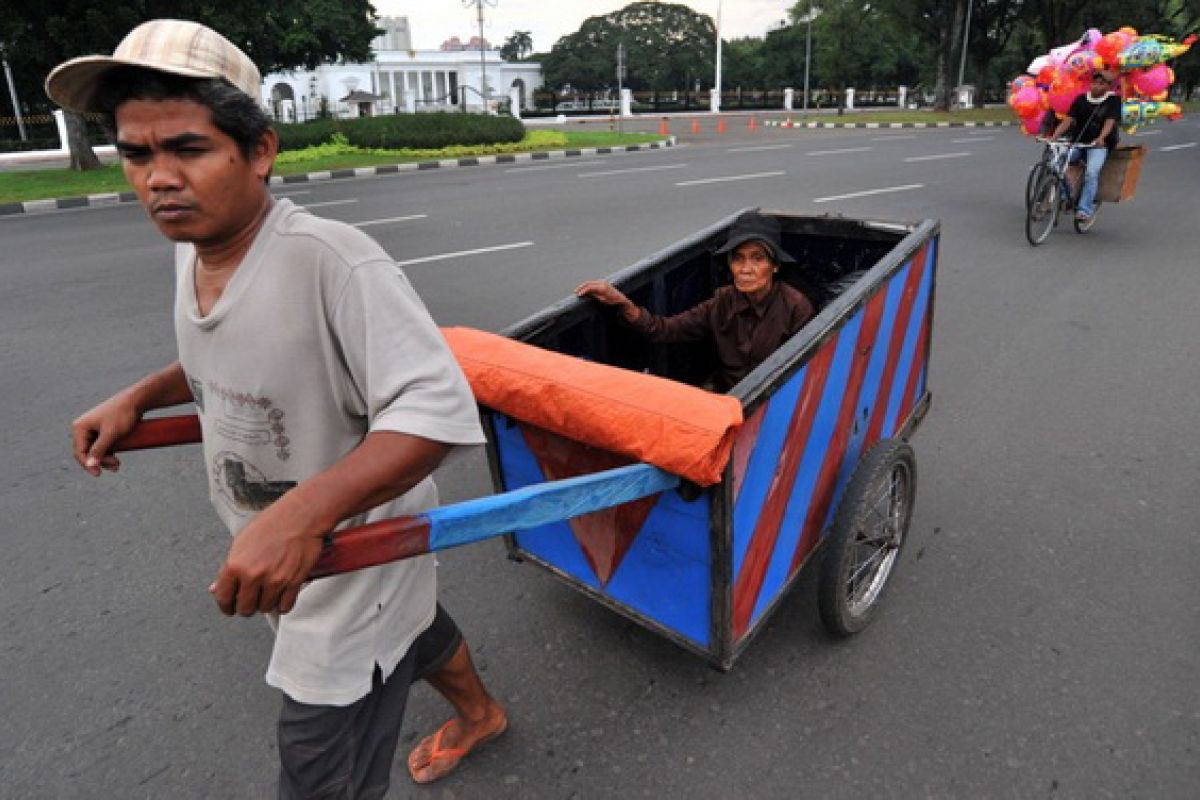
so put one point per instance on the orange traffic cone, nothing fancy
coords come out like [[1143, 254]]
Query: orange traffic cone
[[695, 126], [752, 125], [662, 128], [720, 124]]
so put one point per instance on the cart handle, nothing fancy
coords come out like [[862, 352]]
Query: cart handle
[[447, 526]]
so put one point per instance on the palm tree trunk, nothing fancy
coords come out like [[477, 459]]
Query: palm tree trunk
[[82, 156]]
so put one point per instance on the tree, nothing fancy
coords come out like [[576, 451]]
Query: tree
[[517, 46], [275, 34], [667, 46]]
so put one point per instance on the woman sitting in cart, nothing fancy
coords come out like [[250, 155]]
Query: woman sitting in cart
[[746, 321]]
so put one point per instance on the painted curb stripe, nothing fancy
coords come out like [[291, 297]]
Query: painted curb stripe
[[109, 199]]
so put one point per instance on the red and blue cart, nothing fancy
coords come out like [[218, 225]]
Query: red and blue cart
[[819, 467]]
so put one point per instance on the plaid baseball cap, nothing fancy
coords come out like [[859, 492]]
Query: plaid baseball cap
[[175, 46]]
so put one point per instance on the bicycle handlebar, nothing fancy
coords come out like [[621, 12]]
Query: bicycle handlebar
[[1067, 143]]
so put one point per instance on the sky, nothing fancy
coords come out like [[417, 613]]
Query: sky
[[434, 21]]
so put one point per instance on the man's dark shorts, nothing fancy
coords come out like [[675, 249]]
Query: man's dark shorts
[[344, 752]]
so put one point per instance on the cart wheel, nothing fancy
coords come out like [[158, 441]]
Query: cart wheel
[[868, 531]]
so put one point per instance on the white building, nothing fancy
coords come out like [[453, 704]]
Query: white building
[[401, 79]]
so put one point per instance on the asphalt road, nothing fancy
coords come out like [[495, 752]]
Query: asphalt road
[[1040, 636]]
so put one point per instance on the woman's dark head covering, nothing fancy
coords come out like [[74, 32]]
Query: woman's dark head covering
[[755, 227]]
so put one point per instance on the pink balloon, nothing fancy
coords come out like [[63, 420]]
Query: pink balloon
[[1062, 94], [1026, 101], [1153, 81], [1031, 125]]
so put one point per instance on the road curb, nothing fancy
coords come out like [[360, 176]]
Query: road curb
[[115, 198], [787, 123]]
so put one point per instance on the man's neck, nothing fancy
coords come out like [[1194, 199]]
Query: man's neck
[[227, 254]]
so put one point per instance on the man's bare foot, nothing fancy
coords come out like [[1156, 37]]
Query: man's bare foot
[[437, 755]]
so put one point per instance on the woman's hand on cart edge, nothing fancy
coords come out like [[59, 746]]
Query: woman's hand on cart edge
[[269, 560], [94, 432], [609, 295]]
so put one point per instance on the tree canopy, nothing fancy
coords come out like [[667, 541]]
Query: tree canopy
[[667, 46], [276, 34], [517, 46]]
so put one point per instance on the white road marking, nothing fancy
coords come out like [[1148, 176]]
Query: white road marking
[[904, 188], [893, 138], [365, 223], [331, 203], [1140, 134], [292, 194], [631, 169], [759, 147], [749, 177], [557, 166], [1178, 146], [972, 139], [838, 152], [934, 158], [461, 253]]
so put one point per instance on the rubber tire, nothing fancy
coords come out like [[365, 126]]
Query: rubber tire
[[1035, 175], [1046, 197], [854, 514], [1084, 227]]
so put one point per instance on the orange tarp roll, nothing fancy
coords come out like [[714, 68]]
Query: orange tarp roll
[[685, 430]]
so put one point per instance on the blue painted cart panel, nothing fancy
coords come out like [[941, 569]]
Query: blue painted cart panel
[[705, 567]]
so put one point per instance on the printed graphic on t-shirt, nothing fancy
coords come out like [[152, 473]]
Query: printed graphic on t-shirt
[[197, 392], [248, 419], [243, 485]]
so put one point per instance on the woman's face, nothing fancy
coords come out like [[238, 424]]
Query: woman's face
[[753, 269]]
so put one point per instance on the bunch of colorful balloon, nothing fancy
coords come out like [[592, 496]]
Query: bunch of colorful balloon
[[1057, 78]]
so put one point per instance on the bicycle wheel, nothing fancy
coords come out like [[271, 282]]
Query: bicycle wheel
[[1042, 215], [869, 528], [1035, 174], [1082, 226]]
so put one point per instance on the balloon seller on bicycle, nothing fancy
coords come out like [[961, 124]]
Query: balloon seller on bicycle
[[1092, 119]]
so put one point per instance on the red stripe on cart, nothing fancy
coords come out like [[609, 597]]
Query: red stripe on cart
[[373, 544], [605, 535], [918, 366], [822, 495], [743, 446], [908, 301], [766, 531]]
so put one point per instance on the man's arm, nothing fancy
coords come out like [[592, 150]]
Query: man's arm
[[270, 559], [1063, 127], [93, 433]]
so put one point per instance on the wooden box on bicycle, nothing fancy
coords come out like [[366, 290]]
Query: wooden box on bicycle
[[1118, 179]]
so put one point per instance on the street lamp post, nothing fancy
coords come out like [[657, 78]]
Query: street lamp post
[[807, 52], [12, 92], [962, 63], [716, 101], [483, 86]]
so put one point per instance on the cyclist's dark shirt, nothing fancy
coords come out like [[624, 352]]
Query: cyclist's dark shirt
[[1089, 119]]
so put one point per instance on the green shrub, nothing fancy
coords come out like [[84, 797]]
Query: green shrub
[[431, 131], [427, 131], [299, 135]]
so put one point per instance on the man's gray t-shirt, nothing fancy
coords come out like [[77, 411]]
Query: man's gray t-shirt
[[317, 340]]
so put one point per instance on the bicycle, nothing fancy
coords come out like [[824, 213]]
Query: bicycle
[[1052, 192], [1035, 173]]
